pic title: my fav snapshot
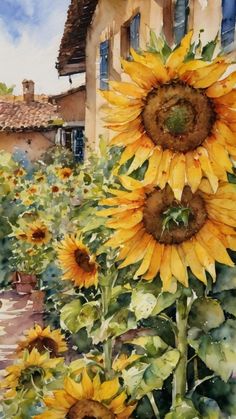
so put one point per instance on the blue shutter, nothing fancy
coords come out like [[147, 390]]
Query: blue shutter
[[228, 22], [104, 65], [180, 19], [134, 32], [78, 144]]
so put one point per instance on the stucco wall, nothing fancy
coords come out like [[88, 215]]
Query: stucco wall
[[72, 107], [34, 144]]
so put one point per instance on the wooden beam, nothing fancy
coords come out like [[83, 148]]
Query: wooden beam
[[168, 13]]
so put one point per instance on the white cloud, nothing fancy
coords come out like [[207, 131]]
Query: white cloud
[[34, 53]]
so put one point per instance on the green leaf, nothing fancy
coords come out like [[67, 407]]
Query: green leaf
[[226, 279], [184, 410], [217, 349], [153, 345], [142, 304], [228, 301], [209, 409], [209, 49], [75, 316], [164, 300], [206, 314]]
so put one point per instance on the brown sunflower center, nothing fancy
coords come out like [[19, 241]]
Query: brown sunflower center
[[89, 409], [171, 221], [43, 344], [38, 234], [178, 117], [83, 260]]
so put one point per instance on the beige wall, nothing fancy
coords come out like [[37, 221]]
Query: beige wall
[[109, 16], [72, 107], [40, 142]]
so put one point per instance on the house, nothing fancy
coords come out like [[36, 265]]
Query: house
[[98, 32], [28, 123], [71, 107]]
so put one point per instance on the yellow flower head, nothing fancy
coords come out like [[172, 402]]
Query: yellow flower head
[[32, 369], [177, 115], [167, 235], [64, 173], [77, 263], [88, 398], [38, 233], [43, 340]]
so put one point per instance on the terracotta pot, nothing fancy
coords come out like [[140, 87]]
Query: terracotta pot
[[23, 283]]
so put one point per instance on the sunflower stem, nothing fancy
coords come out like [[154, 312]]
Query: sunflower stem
[[107, 347], [153, 404], [180, 374]]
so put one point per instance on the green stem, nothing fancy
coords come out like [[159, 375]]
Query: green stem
[[153, 404], [180, 374], [107, 347]]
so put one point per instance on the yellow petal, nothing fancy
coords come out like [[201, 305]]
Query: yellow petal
[[118, 100], [130, 183], [164, 168], [214, 246], [132, 220], [123, 116], [218, 153], [176, 58], [146, 259], [155, 262], [129, 152], [193, 170], [205, 259], [154, 62], [118, 402], [87, 385], [191, 65], [222, 87], [165, 269], [137, 252], [123, 235], [141, 155], [153, 165], [129, 244], [108, 389], [205, 77], [178, 268], [206, 167], [126, 138], [111, 211], [73, 388], [125, 127], [227, 100], [127, 89], [140, 74], [223, 130], [192, 260], [177, 175], [226, 113]]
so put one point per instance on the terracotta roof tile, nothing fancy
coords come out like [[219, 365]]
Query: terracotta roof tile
[[21, 116]]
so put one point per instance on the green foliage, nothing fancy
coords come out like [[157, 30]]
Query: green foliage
[[183, 409], [5, 90], [206, 314]]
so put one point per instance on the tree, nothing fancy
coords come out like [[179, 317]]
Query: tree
[[4, 90]]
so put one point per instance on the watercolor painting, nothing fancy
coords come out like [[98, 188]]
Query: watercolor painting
[[118, 209]]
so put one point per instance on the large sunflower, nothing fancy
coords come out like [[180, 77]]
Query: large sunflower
[[176, 114], [88, 399], [30, 370], [43, 340], [168, 235], [77, 263]]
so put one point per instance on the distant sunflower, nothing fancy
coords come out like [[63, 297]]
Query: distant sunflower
[[43, 340], [64, 172], [168, 235], [32, 369], [38, 233], [77, 263], [177, 115], [88, 399]]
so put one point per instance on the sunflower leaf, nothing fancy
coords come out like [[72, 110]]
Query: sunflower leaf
[[206, 314], [183, 409]]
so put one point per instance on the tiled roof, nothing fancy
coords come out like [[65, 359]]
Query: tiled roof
[[22, 116], [71, 57]]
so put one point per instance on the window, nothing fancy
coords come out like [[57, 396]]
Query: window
[[181, 13], [228, 22], [104, 65], [78, 144], [130, 36]]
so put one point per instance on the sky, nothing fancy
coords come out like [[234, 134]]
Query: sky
[[30, 35]]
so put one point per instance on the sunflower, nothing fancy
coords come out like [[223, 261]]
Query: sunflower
[[88, 399], [32, 369], [168, 235], [43, 340], [177, 115], [37, 233], [64, 173], [77, 263]]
